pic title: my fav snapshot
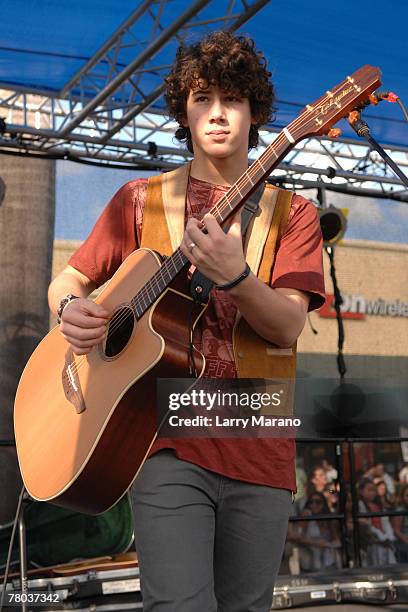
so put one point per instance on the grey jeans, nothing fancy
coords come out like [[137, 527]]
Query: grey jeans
[[205, 542]]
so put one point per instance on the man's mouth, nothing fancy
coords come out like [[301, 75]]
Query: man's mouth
[[218, 132]]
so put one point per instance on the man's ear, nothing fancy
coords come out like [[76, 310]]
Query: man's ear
[[184, 122]]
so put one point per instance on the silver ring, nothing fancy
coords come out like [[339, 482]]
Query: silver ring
[[191, 246]]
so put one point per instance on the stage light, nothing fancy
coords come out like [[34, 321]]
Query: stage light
[[333, 221]]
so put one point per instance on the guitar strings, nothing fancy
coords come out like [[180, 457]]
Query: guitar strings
[[219, 208], [144, 295], [222, 205], [242, 182], [225, 203]]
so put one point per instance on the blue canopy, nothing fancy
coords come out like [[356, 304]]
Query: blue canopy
[[310, 47]]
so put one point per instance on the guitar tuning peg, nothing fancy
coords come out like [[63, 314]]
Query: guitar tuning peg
[[354, 117], [334, 133]]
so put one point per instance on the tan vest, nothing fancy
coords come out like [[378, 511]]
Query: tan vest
[[163, 229]]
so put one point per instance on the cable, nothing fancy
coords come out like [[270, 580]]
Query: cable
[[10, 550], [403, 108], [338, 300], [191, 357], [314, 330], [388, 96]]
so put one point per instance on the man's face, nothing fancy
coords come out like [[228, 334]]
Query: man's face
[[219, 122]]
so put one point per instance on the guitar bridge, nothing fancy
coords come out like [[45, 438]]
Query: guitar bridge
[[71, 383]]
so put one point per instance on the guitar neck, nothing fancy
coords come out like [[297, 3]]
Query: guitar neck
[[316, 119], [225, 207], [253, 177]]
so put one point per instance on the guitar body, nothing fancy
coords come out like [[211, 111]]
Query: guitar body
[[85, 424]]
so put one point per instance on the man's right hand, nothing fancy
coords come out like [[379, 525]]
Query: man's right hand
[[83, 324]]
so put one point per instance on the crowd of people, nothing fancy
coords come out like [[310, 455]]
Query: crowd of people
[[383, 539], [316, 544]]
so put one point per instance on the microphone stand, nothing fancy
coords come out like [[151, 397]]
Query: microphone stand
[[361, 128]]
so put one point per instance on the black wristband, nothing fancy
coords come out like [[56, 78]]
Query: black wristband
[[236, 280]]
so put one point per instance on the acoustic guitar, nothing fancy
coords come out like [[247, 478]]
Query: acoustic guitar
[[84, 424]]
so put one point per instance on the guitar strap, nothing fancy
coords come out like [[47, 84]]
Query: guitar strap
[[164, 214], [162, 230]]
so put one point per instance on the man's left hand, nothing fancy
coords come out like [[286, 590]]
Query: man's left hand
[[218, 255]]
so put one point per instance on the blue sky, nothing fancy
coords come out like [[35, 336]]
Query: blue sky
[[82, 192]]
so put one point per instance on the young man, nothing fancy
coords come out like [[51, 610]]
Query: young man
[[210, 514]]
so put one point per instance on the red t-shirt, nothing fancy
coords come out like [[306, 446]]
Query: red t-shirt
[[298, 265]]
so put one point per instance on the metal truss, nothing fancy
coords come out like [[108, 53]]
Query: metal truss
[[111, 111], [124, 78], [148, 143], [344, 165]]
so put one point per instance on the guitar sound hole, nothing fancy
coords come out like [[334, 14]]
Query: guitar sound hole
[[119, 331]]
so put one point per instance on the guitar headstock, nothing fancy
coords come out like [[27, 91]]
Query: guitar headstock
[[319, 117]]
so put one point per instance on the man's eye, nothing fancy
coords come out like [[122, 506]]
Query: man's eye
[[234, 98], [201, 98]]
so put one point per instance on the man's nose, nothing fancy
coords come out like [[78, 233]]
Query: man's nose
[[217, 111]]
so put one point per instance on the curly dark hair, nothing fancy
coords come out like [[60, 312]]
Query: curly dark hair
[[229, 62], [325, 506]]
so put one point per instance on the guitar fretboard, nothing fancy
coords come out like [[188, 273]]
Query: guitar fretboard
[[225, 207], [158, 283], [315, 119]]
